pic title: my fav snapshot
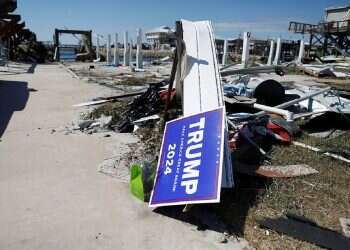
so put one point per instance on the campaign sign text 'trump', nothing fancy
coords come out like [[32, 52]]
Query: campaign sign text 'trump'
[[190, 164]]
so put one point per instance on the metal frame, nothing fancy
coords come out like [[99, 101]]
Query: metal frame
[[325, 35], [58, 32]]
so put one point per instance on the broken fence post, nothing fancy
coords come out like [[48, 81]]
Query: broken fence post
[[278, 52], [175, 72], [108, 50], [246, 45], [126, 47], [301, 51], [272, 47], [139, 57], [116, 50], [98, 47], [224, 56], [130, 52]]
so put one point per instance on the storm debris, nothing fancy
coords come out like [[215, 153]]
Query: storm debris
[[263, 117]]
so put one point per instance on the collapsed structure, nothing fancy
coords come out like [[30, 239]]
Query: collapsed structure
[[161, 37], [86, 53], [331, 35], [223, 118], [198, 85]]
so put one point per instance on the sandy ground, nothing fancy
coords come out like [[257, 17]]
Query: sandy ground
[[51, 194]]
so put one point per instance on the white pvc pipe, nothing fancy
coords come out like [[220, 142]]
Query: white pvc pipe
[[116, 50], [245, 52], [224, 56], [272, 47], [301, 51], [139, 58], [278, 52], [108, 50], [307, 96], [126, 47], [287, 114], [292, 102]]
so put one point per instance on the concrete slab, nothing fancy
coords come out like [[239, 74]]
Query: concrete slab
[[51, 194]]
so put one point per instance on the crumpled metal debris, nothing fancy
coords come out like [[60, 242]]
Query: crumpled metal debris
[[144, 105], [255, 139]]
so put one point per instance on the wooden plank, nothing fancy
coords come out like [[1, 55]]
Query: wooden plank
[[307, 232], [102, 100], [287, 171]]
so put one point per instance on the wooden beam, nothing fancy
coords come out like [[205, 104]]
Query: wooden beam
[[11, 28], [7, 6], [80, 32], [12, 17]]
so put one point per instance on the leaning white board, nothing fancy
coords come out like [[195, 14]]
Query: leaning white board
[[84, 104], [201, 87]]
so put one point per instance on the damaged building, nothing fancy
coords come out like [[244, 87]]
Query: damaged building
[[218, 143], [329, 37], [161, 37]]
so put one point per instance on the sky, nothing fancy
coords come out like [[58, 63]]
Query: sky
[[264, 18]]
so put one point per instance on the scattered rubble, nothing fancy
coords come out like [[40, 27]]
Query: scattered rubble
[[345, 224], [261, 114]]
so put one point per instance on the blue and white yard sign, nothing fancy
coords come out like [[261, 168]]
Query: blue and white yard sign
[[190, 162]]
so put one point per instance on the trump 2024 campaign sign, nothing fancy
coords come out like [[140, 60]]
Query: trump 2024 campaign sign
[[190, 162]]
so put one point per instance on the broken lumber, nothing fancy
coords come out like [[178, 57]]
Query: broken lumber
[[102, 100], [287, 171], [307, 231]]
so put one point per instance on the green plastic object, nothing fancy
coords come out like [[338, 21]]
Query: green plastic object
[[142, 180], [136, 184]]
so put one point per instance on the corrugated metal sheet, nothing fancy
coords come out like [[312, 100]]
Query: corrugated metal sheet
[[202, 88]]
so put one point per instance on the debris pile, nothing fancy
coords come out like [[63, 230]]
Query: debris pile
[[142, 109], [212, 126]]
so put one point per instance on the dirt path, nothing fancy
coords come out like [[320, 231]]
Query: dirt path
[[51, 195]]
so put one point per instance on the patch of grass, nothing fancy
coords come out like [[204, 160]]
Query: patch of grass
[[323, 197], [293, 70], [113, 109], [136, 80], [339, 84]]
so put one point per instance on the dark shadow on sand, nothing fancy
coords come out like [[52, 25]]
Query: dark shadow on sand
[[13, 97], [230, 214]]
